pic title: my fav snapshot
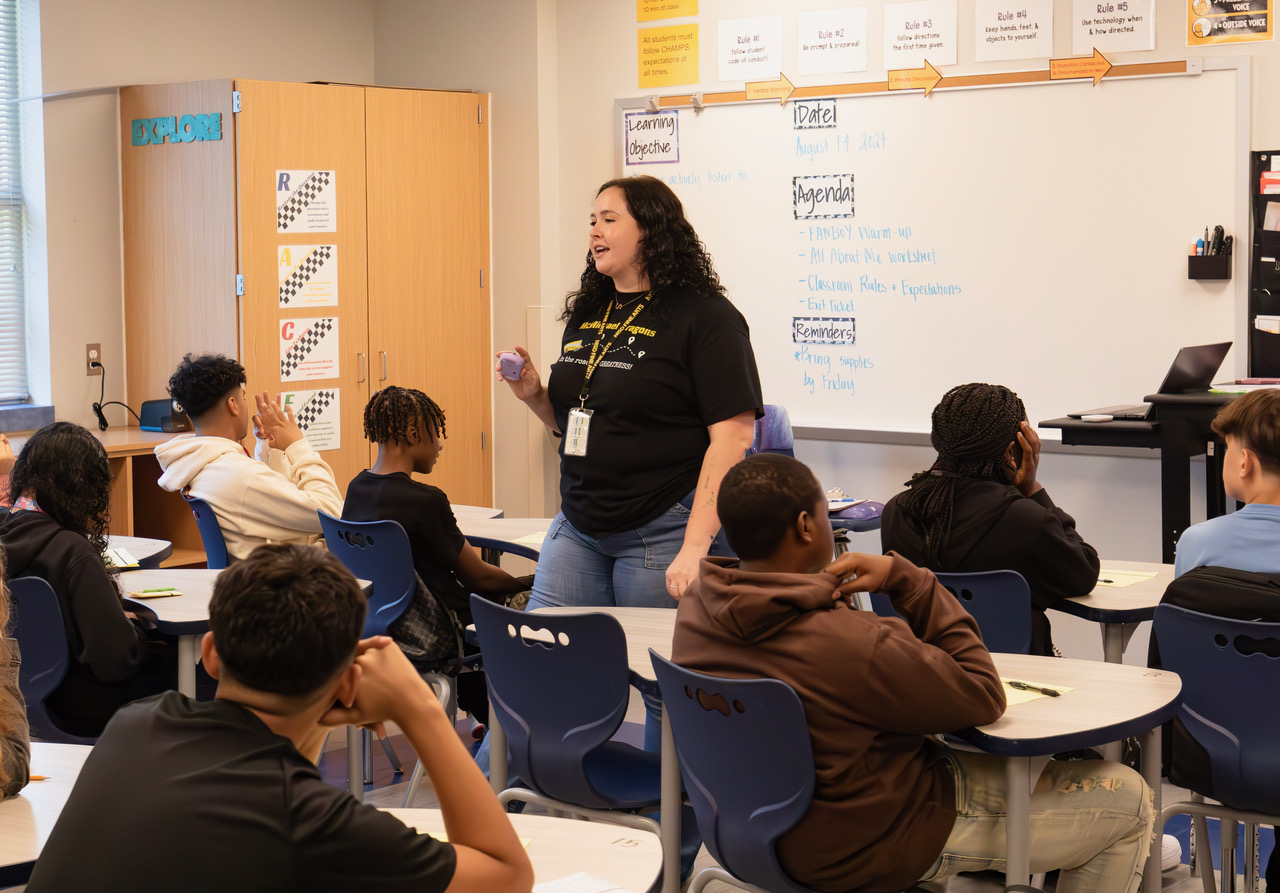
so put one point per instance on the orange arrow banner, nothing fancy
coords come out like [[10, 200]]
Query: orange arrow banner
[[915, 78], [1095, 66], [781, 89]]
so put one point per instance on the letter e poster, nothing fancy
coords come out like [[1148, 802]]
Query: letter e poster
[[318, 414]]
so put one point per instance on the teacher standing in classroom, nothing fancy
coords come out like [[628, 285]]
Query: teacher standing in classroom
[[654, 396]]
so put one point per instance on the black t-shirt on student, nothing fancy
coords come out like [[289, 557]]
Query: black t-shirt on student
[[426, 516], [662, 383], [202, 796]]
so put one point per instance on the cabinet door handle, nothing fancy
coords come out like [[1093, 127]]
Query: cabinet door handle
[[383, 354], [364, 368]]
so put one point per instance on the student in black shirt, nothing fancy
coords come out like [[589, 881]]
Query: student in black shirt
[[409, 429], [662, 362], [980, 506], [224, 795]]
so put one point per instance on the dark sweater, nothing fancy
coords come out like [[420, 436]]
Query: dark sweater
[[112, 662], [997, 528], [874, 692]]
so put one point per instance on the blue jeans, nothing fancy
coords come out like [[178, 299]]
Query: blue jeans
[[625, 570]]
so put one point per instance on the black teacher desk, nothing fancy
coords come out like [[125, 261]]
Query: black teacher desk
[[1179, 427]]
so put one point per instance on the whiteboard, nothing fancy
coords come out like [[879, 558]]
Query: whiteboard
[[1031, 236]]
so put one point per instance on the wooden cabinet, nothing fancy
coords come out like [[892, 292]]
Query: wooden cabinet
[[410, 226]]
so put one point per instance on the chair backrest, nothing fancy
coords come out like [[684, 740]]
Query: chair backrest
[[215, 547], [999, 600], [559, 684], [773, 432], [1230, 672], [747, 763], [42, 641], [378, 551]]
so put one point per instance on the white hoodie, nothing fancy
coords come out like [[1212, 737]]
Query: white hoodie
[[271, 499]]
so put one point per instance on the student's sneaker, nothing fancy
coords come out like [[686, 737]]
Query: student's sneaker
[[1170, 853]]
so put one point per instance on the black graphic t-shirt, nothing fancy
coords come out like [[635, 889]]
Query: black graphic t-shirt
[[663, 382]]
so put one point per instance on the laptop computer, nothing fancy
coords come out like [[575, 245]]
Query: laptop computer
[[1192, 371]]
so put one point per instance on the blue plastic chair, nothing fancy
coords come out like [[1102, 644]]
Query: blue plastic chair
[[747, 762], [559, 686], [773, 432], [379, 551], [999, 600], [42, 640], [215, 547], [1230, 672]]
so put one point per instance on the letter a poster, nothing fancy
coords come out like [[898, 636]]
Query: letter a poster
[[308, 275]]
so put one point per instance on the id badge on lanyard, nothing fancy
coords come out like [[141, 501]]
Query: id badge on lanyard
[[575, 439]]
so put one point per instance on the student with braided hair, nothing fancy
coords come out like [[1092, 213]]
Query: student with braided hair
[[980, 507], [409, 429]]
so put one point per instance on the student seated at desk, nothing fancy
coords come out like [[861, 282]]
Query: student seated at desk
[[57, 531], [979, 507], [273, 498], [891, 806], [224, 795], [409, 429], [15, 740]]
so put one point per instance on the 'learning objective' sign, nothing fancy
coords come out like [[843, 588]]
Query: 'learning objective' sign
[[177, 129]]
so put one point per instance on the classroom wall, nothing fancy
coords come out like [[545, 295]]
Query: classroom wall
[[87, 44]]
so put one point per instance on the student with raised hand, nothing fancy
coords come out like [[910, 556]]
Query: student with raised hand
[[57, 531], [892, 806], [981, 507], [226, 794], [15, 738], [270, 497]]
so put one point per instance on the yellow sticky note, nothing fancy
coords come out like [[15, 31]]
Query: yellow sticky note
[[648, 10], [667, 55]]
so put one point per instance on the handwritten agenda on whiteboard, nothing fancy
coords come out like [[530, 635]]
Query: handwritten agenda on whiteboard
[[886, 248]]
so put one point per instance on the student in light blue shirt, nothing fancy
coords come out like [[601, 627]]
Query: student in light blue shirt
[[1248, 539]]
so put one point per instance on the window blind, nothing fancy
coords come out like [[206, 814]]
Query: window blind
[[13, 338]]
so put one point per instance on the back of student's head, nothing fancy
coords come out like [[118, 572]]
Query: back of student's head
[[760, 499], [973, 424], [65, 469], [200, 382], [402, 415], [1254, 420], [286, 619]]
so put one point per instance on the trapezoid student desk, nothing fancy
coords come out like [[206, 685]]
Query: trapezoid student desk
[[1179, 427]]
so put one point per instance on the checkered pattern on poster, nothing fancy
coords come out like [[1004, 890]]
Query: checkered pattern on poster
[[318, 414], [314, 281], [308, 348], [306, 201]]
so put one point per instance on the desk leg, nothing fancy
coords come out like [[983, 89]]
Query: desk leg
[[497, 754], [355, 762], [1175, 485], [671, 801], [187, 665], [1113, 643], [1018, 782], [1151, 767]]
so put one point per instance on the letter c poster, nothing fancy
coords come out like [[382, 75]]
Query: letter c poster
[[308, 348]]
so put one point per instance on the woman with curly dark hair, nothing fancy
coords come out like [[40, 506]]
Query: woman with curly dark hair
[[655, 393], [61, 487]]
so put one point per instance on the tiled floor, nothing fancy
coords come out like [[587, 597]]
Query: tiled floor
[[389, 789]]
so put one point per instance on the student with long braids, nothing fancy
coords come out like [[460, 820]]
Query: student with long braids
[[409, 429], [980, 506]]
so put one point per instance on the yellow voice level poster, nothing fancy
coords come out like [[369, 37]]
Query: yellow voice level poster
[[1232, 21], [667, 56]]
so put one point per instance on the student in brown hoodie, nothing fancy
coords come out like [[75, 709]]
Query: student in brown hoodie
[[892, 805]]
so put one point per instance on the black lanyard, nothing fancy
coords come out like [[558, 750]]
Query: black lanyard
[[594, 360]]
